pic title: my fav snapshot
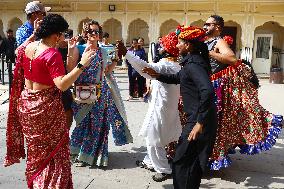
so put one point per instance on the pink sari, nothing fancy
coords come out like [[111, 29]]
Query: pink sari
[[39, 118]]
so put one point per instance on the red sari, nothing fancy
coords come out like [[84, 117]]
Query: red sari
[[39, 118]]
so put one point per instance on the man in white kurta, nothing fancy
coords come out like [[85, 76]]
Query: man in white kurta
[[162, 122]]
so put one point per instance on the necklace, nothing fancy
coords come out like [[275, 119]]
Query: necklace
[[33, 55], [47, 44]]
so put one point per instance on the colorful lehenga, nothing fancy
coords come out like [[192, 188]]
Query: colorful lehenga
[[89, 139], [39, 118], [242, 121]]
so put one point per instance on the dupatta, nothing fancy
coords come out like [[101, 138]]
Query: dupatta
[[14, 133]]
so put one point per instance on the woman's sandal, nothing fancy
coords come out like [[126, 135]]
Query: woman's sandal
[[80, 164], [141, 164]]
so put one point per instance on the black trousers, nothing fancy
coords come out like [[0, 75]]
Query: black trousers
[[140, 83], [189, 164]]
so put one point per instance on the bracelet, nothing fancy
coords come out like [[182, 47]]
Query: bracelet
[[80, 66]]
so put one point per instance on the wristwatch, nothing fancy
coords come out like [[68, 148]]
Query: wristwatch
[[80, 66]]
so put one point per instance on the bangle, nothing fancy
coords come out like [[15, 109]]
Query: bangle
[[80, 66]]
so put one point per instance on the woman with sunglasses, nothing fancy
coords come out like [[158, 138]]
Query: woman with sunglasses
[[89, 139], [36, 111]]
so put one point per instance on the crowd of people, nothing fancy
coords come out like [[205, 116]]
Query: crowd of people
[[194, 68]]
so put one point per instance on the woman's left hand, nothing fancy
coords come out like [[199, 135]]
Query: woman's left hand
[[197, 129]]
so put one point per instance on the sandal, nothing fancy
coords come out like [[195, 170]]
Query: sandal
[[159, 177], [80, 164], [141, 164]]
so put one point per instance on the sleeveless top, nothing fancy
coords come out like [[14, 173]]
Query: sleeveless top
[[215, 65]]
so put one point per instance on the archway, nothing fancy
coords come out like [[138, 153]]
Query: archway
[[138, 28], [234, 30], [14, 24], [168, 26], [198, 23], [114, 28], [268, 47]]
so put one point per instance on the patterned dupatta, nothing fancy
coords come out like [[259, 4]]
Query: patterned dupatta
[[14, 134]]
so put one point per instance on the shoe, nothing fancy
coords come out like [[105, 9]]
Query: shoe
[[141, 99], [159, 177], [141, 164], [80, 164]]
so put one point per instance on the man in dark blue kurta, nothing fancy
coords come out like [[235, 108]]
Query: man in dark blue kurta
[[134, 76]]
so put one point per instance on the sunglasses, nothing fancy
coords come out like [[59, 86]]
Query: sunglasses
[[92, 32], [209, 24], [40, 13]]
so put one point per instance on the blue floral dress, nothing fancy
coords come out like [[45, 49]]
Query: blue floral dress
[[89, 139]]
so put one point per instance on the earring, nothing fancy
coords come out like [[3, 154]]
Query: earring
[[57, 41]]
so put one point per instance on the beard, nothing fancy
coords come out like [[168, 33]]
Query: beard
[[183, 53], [209, 32]]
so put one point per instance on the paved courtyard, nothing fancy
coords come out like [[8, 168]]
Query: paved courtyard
[[260, 171]]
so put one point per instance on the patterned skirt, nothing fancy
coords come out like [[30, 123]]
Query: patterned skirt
[[44, 125], [242, 121]]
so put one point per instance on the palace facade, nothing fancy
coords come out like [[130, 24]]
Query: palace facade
[[256, 26]]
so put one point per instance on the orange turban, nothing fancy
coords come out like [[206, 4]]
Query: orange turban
[[169, 43], [190, 33]]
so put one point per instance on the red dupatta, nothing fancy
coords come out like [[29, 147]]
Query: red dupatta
[[14, 133]]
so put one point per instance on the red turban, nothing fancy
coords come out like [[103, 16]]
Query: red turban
[[190, 33], [169, 43]]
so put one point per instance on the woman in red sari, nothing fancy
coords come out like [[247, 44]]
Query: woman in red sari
[[36, 112]]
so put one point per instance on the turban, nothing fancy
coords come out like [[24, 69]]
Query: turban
[[169, 43], [189, 33]]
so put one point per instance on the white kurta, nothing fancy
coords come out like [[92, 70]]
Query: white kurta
[[162, 122]]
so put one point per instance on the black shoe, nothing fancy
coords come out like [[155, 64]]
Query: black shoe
[[143, 165], [159, 177]]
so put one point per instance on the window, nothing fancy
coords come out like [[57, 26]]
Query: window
[[263, 47]]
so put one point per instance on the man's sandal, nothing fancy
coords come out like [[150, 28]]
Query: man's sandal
[[159, 177], [141, 164]]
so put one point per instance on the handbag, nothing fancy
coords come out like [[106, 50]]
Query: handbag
[[88, 93]]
